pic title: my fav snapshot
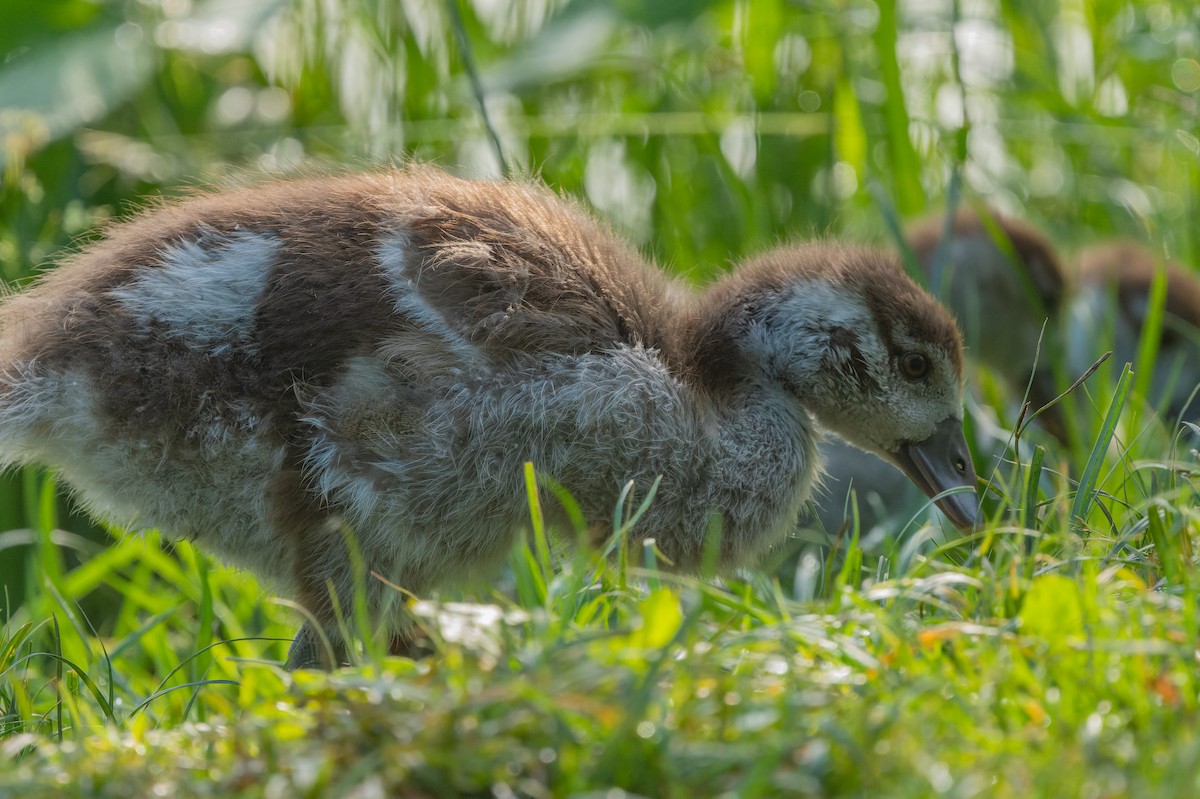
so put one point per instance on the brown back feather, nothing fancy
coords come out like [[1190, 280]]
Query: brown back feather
[[518, 270]]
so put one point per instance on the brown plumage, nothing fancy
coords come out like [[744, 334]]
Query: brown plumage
[[1128, 269], [1110, 309], [264, 369], [1004, 282]]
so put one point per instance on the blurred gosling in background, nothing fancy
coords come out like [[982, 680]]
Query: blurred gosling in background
[[1012, 296], [1109, 309], [1004, 282]]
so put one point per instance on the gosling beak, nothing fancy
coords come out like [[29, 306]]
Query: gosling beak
[[939, 463]]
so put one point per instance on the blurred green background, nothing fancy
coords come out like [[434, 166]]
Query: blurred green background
[[701, 130]]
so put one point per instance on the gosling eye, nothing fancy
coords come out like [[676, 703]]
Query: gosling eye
[[914, 365]]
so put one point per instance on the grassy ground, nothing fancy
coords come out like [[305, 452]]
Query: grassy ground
[[1051, 653], [982, 668]]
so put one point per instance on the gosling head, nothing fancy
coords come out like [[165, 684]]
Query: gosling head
[[870, 355]]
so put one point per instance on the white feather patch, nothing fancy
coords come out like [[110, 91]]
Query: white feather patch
[[205, 290], [393, 255]]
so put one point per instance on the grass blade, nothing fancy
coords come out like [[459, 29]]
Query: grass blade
[[1150, 338], [1085, 492], [906, 166], [1033, 480]]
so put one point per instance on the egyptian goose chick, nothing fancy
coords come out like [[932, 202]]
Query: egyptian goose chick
[[1003, 280], [263, 369], [1110, 307]]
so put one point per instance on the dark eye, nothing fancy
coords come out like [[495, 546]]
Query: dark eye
[[914, 364]]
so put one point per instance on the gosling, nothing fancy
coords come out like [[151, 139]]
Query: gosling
[[1110, 307], [260, 370], [1007, 286]]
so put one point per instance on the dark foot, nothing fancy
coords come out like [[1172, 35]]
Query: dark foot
[[310, 651], [413, 643]]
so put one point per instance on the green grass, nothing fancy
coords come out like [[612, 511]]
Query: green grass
[[1049, 653]]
